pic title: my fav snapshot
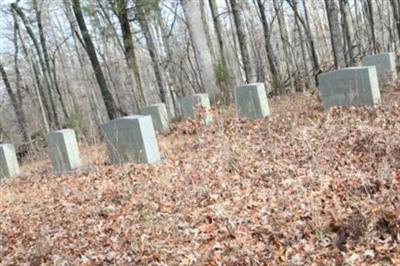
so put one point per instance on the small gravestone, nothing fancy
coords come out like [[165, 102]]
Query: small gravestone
[[251, 101], [63, 150], [353, 86], [8, 161], [385, 66], [131, 139], [159, 115], [196, 106]]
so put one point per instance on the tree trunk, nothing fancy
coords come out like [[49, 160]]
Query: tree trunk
[[372, 24], [45, 70], [243, 42], [285, 42], [54, 85], [206, 28], [336, 35], [109, 102], [225, 82], [38, 86], [268, 47], [129, 50], [310, 39], [143, 15], [218, 30], [16, 105], [298, 21], [200, 46], [396, 14], [347, 29], [235, 50]]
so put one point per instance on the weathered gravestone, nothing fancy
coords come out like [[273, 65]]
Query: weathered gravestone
[[63, 150], [131, 139], [353, 86], [8, 161], [385, 66], [159, 115], [251, 101], [196, 106]]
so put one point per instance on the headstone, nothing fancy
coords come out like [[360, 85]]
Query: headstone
[[196, 106], [251, 101], [131, 139], [353, 86], [8, 161], [159, 115], [63, 150], [385, 66]]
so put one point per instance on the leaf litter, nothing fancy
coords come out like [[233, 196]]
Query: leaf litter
[[300, 187]]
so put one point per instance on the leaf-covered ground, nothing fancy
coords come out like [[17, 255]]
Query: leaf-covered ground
[[301, 187]]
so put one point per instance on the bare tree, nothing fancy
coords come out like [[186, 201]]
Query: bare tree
[[370, 9], [53, 117], [109, 102], [243, 42], [332, 11], [144, 13], [129, 49], [16, 103], [347, 30], [200, 46], [268, 46], [396, 14]]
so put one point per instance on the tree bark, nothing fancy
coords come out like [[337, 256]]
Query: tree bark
[[285, 42], [53, 82], [16, 105], [45, 70], [347, 29], [143, 14], [109, 102], [218, 30], [206, 28], [200, 46], [129, 50], [268, 46], [336, 33], [372, 24], [310, 39], [39, 90], [243, 42], [221, 47], [396, 14]]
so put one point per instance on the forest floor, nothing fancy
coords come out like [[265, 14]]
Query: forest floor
[[302, 187]]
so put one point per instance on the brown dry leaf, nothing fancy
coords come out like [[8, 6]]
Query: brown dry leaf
[[290, 189]]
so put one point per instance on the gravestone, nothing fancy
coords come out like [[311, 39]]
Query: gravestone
[[385, 66], [196, 106], [131, 139], [159, 115], [8, 161], [63, 150], [251, 101], [353, 86]]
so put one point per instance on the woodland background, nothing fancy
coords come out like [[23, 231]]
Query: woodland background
[[78, 63]]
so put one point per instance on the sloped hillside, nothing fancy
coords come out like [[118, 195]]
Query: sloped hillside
[[300, 187]]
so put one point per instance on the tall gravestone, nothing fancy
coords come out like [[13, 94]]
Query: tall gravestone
[[63, 150], [353, 86], [159, 115], [251, 101], [196, 106], [8, 161], [385, 64], [131, 139]]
